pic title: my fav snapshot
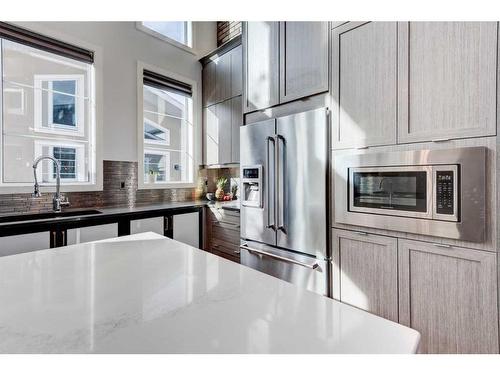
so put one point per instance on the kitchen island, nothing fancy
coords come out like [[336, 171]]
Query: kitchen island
[[149, 294]]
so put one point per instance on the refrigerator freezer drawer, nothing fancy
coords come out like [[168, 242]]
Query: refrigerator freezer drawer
[[308, 272]]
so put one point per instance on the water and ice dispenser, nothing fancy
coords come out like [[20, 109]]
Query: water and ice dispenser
[[252, 189]]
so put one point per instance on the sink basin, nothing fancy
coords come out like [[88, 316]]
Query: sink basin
[[46, 215]]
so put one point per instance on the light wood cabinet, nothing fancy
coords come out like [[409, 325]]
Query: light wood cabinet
[[236, 122], [92, 233], [223, 77], [449, 295], [303, 59], [236, 71], [448, 80], [211, 132], [222, 132], [186, 228], [152, 224], [208, 81], [364, 84], [365, 272], [261, 65]]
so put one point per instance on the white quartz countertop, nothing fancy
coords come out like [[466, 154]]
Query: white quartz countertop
[[149, 294]]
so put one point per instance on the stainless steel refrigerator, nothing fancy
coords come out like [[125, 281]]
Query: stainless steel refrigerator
[[284, 198]]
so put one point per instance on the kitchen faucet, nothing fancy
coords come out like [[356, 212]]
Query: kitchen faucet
[[57, 201]]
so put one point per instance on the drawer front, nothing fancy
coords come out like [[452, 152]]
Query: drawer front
[[226, 256], [225, 232], [225, 247], [225, 216]]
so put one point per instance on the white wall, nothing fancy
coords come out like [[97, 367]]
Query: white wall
[[122, 45]]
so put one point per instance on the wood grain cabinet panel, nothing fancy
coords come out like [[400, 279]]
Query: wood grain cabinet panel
[[303, 59], [365, 272], [261, 65], [236, 71], [211, 126], [449, 295], [209, 84], [236, 122], [364, 84], [448, 78], [223, 77], [224, 112]]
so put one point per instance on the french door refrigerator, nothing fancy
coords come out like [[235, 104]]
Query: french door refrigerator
[[285, 198]]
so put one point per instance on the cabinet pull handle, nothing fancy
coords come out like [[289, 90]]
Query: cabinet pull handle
[[361, 233], [236, 251], [443, 245], [440, 140]]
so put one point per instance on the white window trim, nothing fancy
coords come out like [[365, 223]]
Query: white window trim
[[80, 159], [166, 142], [195, 123], [79, 129], [188, 48], [96, 119], [166, 154]]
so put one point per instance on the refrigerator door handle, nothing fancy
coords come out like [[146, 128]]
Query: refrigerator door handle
[[270, 193], [312, 265], [281, 162]]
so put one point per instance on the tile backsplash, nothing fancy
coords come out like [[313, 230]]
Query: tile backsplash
[[115, 173]]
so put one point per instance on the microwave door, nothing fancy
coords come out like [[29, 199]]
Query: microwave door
[[257, 190], [302, 162]]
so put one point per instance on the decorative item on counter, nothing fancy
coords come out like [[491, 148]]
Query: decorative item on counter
[[234, 191], [219, 193], [153, 175], [227, 197], [200, 188], [210, 196]]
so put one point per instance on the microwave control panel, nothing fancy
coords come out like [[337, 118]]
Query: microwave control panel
[[445, 199]]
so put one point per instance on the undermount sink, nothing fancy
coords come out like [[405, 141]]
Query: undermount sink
[[46, 215]]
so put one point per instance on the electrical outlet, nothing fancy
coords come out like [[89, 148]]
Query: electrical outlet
[[122, 185]]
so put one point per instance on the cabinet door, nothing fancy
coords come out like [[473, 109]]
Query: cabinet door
[[186, 229], [236, 71], [449, 295], [93, 233], [364, 83], [365, 272], [211, 135], [209, 84], [152, 224], [448, 78], [236, 122], [23, 243], [261, 65], [223, 77], [303, 59], [224, 118]]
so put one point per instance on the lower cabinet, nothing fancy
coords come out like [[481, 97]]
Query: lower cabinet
[[365, 272], [23, 243], [223, 233], [93, 233], [449, 295], [152, 224], [186, 229]]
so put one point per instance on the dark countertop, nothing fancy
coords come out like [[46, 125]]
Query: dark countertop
[[107, 215]]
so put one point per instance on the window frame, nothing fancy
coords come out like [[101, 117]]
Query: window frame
[[196, 131], [166, 154], [190, 31], [153, 142], [54, 128], [79, 157], [96, 117]]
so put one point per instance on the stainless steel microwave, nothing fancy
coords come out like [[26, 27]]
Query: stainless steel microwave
[[431, 192]]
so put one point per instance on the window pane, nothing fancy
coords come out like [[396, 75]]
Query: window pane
[[64, 106], [168, 137], [46, 104], [176, 30], [67, 160]]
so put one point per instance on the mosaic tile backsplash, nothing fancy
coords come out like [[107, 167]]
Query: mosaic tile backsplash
[[115, 174]]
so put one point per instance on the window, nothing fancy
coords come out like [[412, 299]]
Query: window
[[166, 131], [47, 109], [178, 32]]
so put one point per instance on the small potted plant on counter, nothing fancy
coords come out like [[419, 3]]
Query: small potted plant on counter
[[234, 191], [219, 193]]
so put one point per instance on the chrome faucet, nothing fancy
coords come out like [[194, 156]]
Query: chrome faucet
[[57, 201]]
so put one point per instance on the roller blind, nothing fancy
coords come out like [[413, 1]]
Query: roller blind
[[165, 83], [32, 39]]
